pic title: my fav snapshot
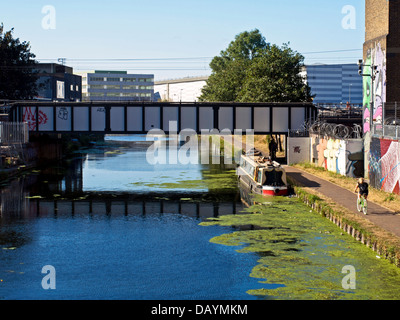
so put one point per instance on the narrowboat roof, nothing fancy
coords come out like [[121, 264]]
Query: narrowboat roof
[[261, 161]]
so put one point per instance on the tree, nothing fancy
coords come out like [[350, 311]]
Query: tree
[[17, 75], [229, 69], [275, 76], [252, 70]]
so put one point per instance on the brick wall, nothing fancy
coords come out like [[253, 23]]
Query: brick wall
[[382, 27], [376, 19], [393, 52]]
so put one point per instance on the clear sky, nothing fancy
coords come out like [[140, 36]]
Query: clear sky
[[178, 38]]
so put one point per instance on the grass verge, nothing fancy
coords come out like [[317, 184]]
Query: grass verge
[[381, 241], [387, 200]]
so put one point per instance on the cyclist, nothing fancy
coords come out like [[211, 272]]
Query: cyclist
[[362, 187]]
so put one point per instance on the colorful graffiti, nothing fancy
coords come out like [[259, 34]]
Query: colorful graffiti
[[341, 156], [384, 165], [374, 91], [29, 116]]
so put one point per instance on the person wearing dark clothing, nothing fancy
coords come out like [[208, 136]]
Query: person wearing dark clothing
[[362, 188], [273, 147]]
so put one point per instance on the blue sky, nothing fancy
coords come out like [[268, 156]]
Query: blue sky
[[198, 29]]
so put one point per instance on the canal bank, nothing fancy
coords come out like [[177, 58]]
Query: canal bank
[[379, 230]]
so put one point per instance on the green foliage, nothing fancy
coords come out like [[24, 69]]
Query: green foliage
[[17, 77], [252, 70]]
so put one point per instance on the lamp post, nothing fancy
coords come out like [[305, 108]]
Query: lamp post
[[350, 92], [372, 75]]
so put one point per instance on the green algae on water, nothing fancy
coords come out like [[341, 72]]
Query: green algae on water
[[305, 254], [223, 182]]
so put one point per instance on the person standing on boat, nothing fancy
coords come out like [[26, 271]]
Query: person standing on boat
[[273, 147]]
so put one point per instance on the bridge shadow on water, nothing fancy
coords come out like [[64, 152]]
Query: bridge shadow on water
[[18, 201]]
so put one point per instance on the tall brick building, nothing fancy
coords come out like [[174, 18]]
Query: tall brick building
[[381, 49]]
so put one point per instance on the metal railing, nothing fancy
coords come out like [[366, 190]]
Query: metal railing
[[391, 113], [13, 132], [392, 131], [387, 122]]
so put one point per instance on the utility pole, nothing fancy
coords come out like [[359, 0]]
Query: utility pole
[[372, 75]]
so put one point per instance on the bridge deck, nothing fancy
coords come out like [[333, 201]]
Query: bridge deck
[[141, 117]]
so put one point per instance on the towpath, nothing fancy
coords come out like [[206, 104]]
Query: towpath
[[380, 216]]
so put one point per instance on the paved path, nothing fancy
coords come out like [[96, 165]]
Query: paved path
[[380, 216]]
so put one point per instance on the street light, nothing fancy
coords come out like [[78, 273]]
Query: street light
[[350, 92]]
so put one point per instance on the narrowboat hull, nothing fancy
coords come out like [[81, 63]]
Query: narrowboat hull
[[265, 190], [274, 191], [267, 179]]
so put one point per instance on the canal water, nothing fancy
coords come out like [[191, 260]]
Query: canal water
[[113, 226]]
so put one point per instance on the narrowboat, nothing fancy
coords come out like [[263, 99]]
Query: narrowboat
[[262, 175]]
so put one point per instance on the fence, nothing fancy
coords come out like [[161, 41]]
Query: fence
[[392, 131], [389, 125], [13, 132], [391, 113]]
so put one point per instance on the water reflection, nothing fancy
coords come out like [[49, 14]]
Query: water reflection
[[110, 240]]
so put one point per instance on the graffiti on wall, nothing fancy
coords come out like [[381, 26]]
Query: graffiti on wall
[[298, 149], [384, 165], [341, 156], [30, 115], [374, 91]]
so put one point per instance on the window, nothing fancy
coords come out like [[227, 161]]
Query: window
[[95, 94], [96, 79], [113, 79], [113, 94], [260, 176], [72, 87], [129, 94], [96, 86], [112, 87], [129, 87], [149, 80], [129, 79]]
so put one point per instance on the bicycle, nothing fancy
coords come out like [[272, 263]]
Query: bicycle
[[362, 204]]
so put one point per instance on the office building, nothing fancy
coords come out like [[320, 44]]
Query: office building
[[117, 86], [331, 84], [335, 83]]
